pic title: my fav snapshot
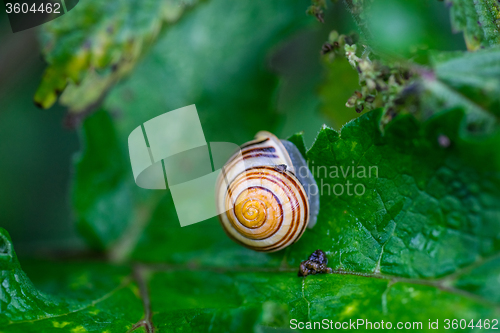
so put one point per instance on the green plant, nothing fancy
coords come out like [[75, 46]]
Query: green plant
[[422, 242]]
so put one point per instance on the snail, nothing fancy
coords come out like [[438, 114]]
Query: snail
[[263, 194]]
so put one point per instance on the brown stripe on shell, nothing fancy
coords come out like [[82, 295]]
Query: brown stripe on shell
[[259, 149], [254, 142], [246, 157], [235, 159]]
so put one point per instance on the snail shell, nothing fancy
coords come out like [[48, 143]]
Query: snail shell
[[263, 195]]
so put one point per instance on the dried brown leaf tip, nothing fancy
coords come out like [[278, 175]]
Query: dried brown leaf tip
[[316, 264]]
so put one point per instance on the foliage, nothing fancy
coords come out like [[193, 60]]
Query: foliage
[[469, 80], [90, 50], [424, 231], [479, 20], [381, 85], [422, 240], [83, 297], [455, 79]]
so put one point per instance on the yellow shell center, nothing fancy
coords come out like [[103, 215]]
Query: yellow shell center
[[251, 213], [258, 213]]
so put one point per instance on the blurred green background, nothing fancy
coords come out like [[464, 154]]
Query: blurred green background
[[36, 148]]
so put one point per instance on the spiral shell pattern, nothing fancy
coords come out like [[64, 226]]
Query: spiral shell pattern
[[262, 204]]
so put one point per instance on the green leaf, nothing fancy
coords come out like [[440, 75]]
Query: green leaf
[[427, 209], [232, 299], [479, 21], [90, 48], [475, 75], [422, 241], [78, 297], [467, 80], [256, 300]]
